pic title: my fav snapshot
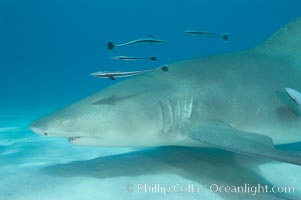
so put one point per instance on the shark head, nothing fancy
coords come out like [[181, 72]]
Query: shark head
[[124, 114]]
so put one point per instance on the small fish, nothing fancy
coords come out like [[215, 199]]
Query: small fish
[[153, 58], [225, 36], [113, 74], [149, 40]]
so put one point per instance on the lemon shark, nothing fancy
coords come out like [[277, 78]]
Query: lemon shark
[[234, 101]]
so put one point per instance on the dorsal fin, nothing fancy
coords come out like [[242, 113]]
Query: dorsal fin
[[286, 41]]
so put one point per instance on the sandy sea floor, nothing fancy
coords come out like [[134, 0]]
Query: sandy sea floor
[[33, 167]]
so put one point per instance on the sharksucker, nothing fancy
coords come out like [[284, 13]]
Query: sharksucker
[[225, 36], [149, 40], [113, 74], [227, 101], [152, 58]]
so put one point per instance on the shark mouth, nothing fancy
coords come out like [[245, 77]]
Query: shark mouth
[[71, 139]]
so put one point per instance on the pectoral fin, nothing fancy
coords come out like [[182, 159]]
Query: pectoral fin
[[295, 96], [112, 78], [223, 136]]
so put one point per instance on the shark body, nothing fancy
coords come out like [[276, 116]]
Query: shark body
[[234, 101]]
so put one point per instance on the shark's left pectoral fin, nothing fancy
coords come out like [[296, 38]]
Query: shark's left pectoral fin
[[223, 136]]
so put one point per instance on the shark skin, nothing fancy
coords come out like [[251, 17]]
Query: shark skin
[[234, 101]]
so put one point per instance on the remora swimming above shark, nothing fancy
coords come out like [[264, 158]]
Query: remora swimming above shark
[[234, 101]]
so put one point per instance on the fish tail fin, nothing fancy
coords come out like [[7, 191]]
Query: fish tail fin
[[164, 68], [153, 58], [110, 45], [225, 37]]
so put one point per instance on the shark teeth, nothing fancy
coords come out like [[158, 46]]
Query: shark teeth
[[70, 139]]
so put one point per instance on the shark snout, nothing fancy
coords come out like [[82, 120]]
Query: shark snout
[[38, 127]]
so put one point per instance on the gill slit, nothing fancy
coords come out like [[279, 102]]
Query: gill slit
[[175, 114]]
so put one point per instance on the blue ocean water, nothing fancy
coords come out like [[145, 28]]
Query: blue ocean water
[[49, 48]]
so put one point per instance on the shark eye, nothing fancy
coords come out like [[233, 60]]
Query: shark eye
[[45, 134]]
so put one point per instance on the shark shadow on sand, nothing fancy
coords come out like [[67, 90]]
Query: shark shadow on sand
[[204, 166]]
